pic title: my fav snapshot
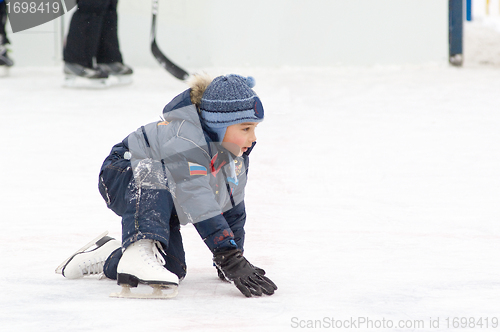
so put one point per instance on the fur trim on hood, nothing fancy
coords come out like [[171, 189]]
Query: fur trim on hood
[[198, 85]]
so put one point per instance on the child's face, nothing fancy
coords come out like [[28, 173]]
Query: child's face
[[239, 137]]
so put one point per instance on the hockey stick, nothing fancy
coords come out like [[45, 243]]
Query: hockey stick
[[171, 67]]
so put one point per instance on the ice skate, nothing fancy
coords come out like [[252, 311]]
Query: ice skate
[[142, 263], [119, 74], [5, 61], [77, 76], [85, 263]]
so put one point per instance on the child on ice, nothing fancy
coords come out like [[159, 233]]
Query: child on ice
[[191, 167]]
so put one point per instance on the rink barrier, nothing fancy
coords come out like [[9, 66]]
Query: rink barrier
[[487, 9]]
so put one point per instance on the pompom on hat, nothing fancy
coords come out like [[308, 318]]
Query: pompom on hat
[[230, 100]]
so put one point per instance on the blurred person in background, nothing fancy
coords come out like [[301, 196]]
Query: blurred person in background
[[92, 52], [5, 61]]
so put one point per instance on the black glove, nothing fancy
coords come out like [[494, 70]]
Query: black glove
[[246, 277], [222, 277]]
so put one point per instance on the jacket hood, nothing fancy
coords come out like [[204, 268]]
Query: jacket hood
[[185, 105], [181, 108]]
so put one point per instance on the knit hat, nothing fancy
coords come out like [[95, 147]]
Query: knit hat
[[230, 100]]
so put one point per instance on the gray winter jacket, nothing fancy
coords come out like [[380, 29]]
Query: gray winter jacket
[[203, 178]]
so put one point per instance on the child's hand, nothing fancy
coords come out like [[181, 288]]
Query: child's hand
[[246, 277]]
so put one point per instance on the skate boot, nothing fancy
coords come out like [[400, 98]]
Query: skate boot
[[4, 58], [119, 74], [5, 61], [78, 76], [143, 263], [85, 263]]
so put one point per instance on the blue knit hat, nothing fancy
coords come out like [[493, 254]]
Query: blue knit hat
[[230, 100]]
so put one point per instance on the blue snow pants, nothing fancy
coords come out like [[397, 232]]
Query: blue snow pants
[[148, 214]]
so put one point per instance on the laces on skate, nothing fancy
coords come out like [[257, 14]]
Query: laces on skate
[[94, 266], [143, 263]]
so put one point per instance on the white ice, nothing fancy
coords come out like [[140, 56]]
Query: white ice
[[374, 193]]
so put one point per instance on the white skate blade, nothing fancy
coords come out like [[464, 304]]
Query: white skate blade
[[119, 80], [77, 82], [82, 249], [158, 293], [4, 71]]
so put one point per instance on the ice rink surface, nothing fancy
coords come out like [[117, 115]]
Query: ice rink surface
[[373, 198]]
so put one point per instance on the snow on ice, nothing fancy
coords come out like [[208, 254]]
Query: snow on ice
[[373, 197]]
